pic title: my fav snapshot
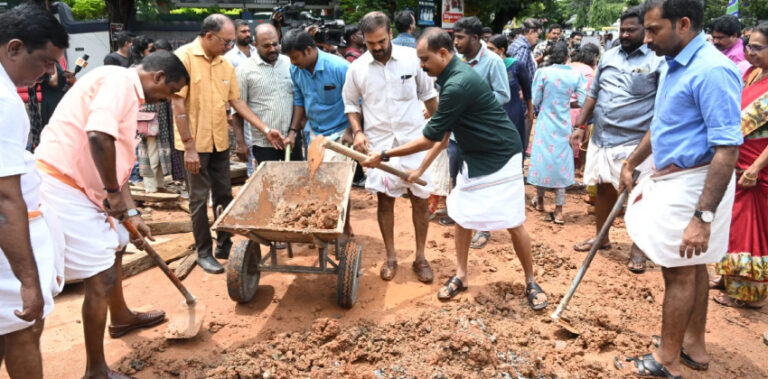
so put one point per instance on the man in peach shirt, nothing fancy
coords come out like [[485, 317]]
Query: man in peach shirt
[[202, 131], [85, 157]]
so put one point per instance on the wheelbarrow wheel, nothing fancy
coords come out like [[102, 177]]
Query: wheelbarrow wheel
[[349, 269], [242, 271]]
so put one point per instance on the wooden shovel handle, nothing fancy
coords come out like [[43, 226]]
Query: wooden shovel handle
[[358, 156], [161, 263]]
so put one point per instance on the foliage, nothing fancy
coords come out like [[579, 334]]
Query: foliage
[[88, 9], [148, 9], [201, 13], [604, 13], [354, 10]]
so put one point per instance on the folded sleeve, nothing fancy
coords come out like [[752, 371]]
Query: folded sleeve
[[425, 85], [184, 57], [298, 96], [451, 105], [719, 99], [351, 93]]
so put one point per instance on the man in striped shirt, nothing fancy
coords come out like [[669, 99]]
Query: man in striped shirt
[[265, 85]]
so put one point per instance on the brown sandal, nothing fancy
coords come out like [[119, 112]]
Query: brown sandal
[[388, 270], [587, 246], [723, 299], [423, 271], [141, 320]]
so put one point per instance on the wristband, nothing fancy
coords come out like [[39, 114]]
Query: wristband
[[132, 212], [185, 140], [267, 130], [183, 115], [115, 189], [293, 130], [582, 126]]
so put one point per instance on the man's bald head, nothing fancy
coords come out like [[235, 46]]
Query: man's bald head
[[267, 43], [264, 29], [435, 50], [436, 39]]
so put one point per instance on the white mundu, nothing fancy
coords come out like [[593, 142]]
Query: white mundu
[[43, 229], [391, 95]]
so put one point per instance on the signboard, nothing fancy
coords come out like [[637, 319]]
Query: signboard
[[426, 16], [115, 28], [453, 10]]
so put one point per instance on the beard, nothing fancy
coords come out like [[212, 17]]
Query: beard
[[383, 53], [245, 41], [270, 57]]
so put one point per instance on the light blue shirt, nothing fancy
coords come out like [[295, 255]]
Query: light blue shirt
[[698, 106], [404, 39], [492, 69], [320, 93]]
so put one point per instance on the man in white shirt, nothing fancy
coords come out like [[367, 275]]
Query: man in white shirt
[[242, 51], [266, 86], [391, 84], [31, 41]]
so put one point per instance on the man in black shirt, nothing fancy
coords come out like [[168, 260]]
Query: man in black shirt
[[120, 57]]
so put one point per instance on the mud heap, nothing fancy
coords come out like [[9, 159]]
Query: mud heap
[[308, 214]]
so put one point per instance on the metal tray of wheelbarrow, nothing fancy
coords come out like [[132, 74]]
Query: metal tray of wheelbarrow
[[250, 213]]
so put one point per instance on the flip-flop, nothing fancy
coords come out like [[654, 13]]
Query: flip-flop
[[451, 288], [476, 244], [717, 284], [446, 221], [559, 221], [587, 246], [648, 367], [531, 291], [684, 357], [635, 269], [549, 217], [723, 299], [388, 271], [535, 205]]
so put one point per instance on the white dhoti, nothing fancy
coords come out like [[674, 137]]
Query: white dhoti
[[90, 240], [491, 202], [394, 186], [660, 209], [603, 164], [441, 174], [47, 243]]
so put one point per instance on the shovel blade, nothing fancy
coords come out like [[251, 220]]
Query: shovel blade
[[185, 321], [563, 323], [315, 154]]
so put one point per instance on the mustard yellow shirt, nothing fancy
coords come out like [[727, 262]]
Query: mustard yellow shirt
[[213, 83]]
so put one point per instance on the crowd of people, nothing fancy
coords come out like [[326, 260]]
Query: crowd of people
[[677, 121]]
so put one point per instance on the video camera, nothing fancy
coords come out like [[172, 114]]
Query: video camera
[[293, 16]]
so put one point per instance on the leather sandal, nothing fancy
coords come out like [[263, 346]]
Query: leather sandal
[[423, 271], [648, 367], [451, 288], [532, 290], [141, 320], [684, 357], [388, 270]]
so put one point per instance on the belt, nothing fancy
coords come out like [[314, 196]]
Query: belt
[[673, 168]]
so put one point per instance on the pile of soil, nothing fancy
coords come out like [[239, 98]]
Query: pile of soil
[[309, 214]]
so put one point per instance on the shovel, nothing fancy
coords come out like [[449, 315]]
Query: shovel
[[317, 150], [185, 320], [556, 316]]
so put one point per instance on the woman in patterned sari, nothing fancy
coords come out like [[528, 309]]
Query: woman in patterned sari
[[745, 268]]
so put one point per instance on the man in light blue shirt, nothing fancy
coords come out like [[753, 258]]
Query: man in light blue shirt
[[318, 79], [468, 33], [680, 216], [405, 23]]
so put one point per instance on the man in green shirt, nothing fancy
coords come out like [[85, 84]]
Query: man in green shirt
[[489, 193]]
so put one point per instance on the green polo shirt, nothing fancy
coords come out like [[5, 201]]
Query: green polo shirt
[[486, 138]]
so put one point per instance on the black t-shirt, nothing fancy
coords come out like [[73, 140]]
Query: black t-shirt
[[115, 59]]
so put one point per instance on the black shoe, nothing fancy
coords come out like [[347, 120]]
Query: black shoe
[[210, 265], [360, 183], [222, 252]]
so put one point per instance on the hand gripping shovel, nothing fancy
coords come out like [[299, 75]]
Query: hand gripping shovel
[[556, 316], [317, 150], [185, 320]]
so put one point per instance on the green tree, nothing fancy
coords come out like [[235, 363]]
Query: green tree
[[604, 13]]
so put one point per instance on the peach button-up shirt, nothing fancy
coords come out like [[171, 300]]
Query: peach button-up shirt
[[105, 100], [213, 85]]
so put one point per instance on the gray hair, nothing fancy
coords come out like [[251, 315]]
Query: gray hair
[[214, 23]]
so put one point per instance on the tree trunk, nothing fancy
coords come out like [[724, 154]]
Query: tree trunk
[[119, 12]]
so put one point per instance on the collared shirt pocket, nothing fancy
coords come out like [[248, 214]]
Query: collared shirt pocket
[[641, 84], [329, 93], [403, 87]]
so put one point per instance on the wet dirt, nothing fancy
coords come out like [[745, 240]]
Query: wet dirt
[[294, 329], [309, 214]]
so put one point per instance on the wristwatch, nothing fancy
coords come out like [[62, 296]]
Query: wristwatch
[[705, 216], [267, 130], [132, 212], [384, 156]]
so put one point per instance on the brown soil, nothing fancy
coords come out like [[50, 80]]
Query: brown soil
[[293, 328], [309, 214]]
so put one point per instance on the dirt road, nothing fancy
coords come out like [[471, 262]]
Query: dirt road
[[399, 329]]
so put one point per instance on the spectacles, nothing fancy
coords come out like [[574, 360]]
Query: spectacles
[[227, 43], [756, 49]]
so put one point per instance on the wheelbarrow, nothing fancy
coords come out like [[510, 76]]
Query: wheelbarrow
[[250, 213]]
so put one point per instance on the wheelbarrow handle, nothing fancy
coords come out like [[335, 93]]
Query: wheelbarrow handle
[[593, 250], [160, 263]]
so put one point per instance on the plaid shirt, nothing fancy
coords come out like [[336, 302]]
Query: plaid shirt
[[521, 50]]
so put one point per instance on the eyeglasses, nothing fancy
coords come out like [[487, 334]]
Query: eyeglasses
[[756, 49], [227, 43]]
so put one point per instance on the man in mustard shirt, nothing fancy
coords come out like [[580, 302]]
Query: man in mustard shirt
[[200, 114]]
